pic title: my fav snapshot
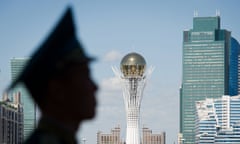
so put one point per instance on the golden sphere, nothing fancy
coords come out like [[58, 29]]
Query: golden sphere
[[133, 64]]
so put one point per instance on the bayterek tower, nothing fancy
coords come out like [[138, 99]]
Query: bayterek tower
[[133, 80]]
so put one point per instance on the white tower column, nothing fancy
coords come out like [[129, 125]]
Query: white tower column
[[133, 80], [132, 93]]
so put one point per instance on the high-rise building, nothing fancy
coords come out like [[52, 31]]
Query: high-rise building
[[234, 68], [110, 138], [218, 120], [206, 69], [17, 64], [11, 120], [236, 54], [152, 138]]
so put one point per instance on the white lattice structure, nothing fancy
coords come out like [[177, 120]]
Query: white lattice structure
[[133, 80]]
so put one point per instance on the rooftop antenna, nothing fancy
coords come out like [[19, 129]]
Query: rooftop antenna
[[217, 12], [195, 14]]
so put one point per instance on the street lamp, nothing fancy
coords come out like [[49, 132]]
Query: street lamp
[[84, 140]]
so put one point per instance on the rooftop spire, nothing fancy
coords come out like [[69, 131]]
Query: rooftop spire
[[217, 12], [195, 13]]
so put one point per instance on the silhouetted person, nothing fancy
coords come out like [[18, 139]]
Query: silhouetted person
[[58, 79]]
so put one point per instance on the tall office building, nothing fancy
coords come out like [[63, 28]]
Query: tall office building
[[209, 69], [17, 64], [11, 120], [236, 54], [218, 120]]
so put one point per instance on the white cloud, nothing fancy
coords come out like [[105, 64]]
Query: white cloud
[[110, 92], [110, 84], [112, 56]]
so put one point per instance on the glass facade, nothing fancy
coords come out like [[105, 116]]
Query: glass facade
[[205, 63], [17, 64], [234, 69], [205, 123], [217, 120]]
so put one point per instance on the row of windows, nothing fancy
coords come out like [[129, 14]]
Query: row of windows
[[199, 95], [202, 55], [204, 71], [207, 65], [200, 87], [206, 68], [202, 36], [200, 76], [189, 85], [109, 138], [208, 45], [209, 75], [202, 48], [209, 62], [218, 70], [201, 80], [202, 63]]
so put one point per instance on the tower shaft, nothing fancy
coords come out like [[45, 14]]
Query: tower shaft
[[133, 122], [133, 88]]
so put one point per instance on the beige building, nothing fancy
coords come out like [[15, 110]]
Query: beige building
[[11, 120], [149, 138], [114, 137], [110, 138]]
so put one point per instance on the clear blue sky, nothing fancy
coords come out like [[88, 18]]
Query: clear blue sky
[[109, 30]]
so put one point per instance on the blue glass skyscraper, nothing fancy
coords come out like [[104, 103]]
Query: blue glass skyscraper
[[17, 64], [209, 69], [234, 67]]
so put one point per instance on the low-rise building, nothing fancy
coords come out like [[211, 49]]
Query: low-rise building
[[152, 138], [148, 137], [110, 138]]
